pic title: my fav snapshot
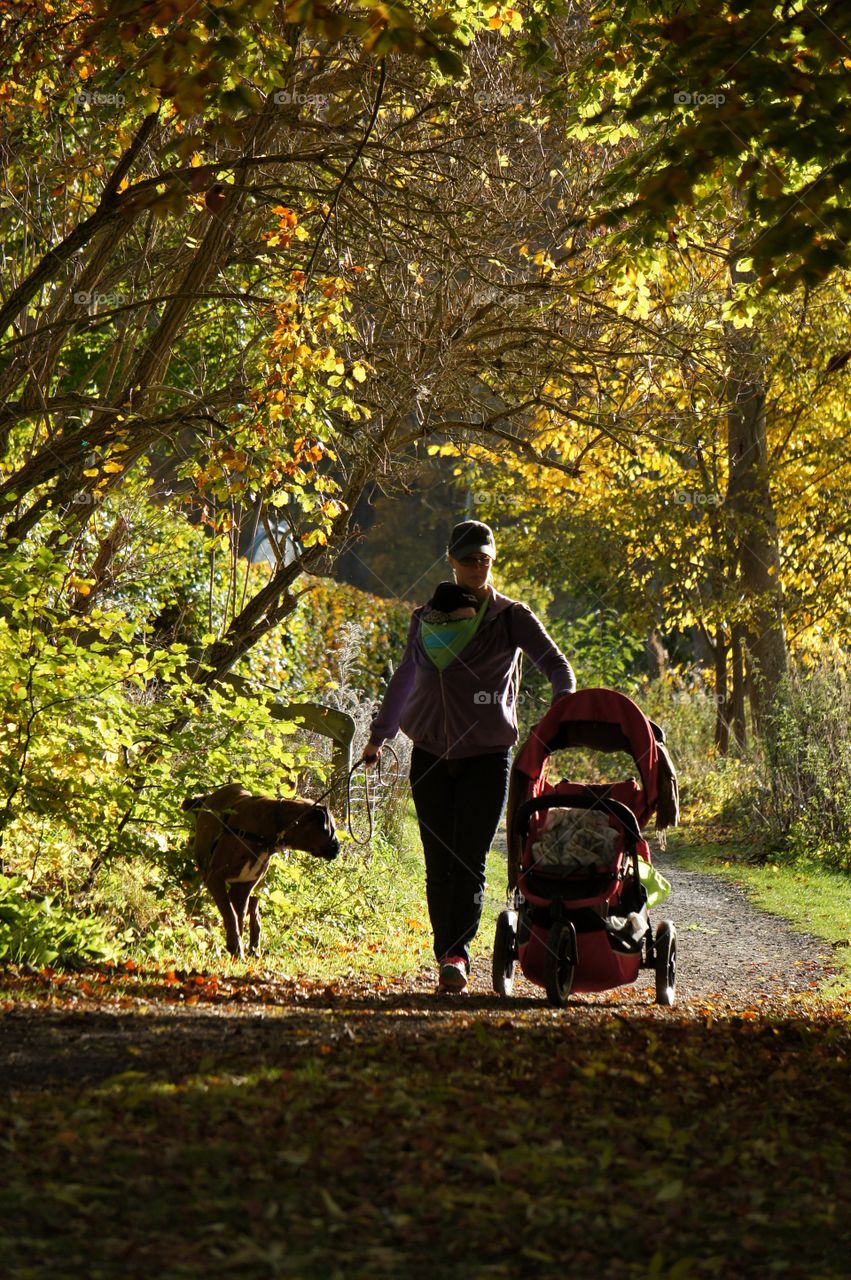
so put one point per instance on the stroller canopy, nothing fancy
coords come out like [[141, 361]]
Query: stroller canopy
[[600, 720]]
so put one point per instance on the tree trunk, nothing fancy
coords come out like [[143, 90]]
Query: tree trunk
[[740, 731], [656, 654], [752, 521], [722, 703]]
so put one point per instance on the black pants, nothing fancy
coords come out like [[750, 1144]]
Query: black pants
[[459, 804]]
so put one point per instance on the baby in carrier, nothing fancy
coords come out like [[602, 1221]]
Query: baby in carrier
[[450, 603], [449, 621]]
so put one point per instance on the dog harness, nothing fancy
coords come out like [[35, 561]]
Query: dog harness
[[263, 845]]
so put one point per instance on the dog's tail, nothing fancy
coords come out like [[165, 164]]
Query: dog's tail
[[191, 803]]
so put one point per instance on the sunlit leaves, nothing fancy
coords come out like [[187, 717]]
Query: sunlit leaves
[[225, 57], [744, 96]]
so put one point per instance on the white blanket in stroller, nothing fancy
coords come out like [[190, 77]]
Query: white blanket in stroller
[[575, 840]]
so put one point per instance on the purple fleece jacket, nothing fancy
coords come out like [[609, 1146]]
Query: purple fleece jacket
[[468, 708]]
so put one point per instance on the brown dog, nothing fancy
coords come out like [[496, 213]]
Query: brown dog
[[236, 834]]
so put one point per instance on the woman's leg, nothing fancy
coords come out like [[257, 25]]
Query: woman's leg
[[480, 785], [433, 791], [459, 804]]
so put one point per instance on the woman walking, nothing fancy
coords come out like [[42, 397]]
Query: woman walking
[[454, 694]]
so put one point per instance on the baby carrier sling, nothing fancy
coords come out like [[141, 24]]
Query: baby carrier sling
[[460, 635]]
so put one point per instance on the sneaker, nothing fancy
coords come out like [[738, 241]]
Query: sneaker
[[453, 974]]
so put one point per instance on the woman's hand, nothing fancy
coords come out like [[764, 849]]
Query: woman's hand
[[370, 754]]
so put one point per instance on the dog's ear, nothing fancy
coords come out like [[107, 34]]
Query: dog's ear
[[192, 802], [329, 832], [319, 816], [327, 819]]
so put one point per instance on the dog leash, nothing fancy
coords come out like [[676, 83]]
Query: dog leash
[[370, 798], [379, 782]]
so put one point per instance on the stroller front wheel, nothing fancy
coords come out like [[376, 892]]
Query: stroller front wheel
[[504, 953], [666, 963], [560, 966]]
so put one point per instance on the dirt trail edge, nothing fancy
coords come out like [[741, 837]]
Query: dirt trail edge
[[173, 1125]]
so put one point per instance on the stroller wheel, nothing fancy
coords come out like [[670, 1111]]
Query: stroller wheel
[[560, 965], [504, 952], [666, 963]]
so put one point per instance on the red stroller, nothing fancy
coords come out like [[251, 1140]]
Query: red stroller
[[584, 925]]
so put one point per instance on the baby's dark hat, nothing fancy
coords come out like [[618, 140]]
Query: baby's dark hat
[[448, 596]]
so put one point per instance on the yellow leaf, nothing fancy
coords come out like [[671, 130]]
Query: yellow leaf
[[330, 1203]]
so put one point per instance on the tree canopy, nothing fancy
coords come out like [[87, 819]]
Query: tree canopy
[[746, 95], [263, 260]]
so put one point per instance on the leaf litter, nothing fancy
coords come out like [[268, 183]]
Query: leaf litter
[[173, 1124]]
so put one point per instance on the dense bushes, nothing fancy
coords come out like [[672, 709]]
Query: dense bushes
[[103, 733], [789, 793], [803, 795]]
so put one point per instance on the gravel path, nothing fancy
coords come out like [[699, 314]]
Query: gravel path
[[727, 946]]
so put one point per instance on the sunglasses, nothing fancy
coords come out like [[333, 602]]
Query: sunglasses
[[469, 561]]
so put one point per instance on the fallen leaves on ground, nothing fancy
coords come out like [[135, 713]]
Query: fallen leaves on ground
[[169, 1124]]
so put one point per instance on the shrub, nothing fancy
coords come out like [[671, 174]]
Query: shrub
[[711, 785], [34, 931], [801, 791]]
